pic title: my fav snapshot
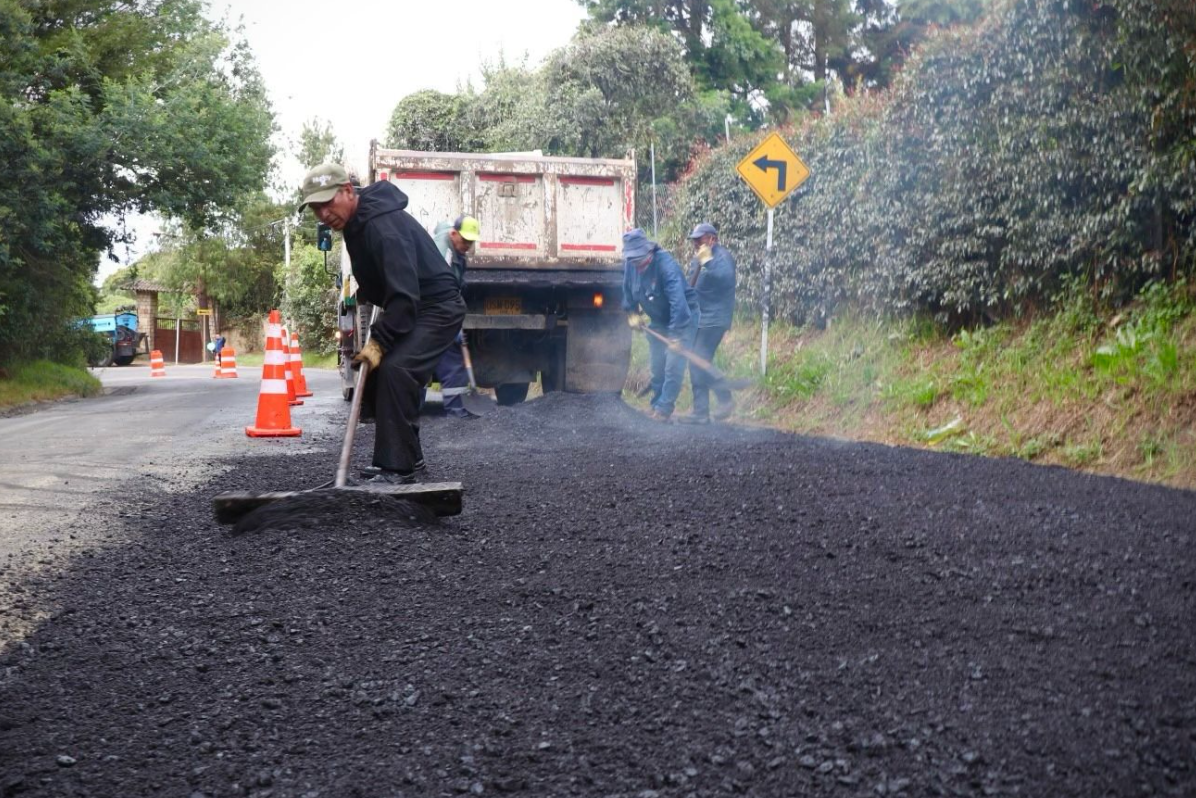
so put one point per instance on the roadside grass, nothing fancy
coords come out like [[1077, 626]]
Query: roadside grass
[[310, 361], [1105, 392], [43, 380]]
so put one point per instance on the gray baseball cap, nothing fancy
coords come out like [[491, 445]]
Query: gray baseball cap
[[704, 229], [321, 183]]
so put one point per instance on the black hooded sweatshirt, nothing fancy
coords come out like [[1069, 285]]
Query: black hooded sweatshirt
[[395, 262]]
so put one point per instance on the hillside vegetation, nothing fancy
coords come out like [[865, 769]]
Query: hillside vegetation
[[995, 256], [1049, 143]]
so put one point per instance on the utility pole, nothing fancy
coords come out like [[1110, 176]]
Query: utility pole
[[652, 150], [286, 231], [286, 239]]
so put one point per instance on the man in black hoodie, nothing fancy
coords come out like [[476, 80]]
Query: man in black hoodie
[[398, 269]]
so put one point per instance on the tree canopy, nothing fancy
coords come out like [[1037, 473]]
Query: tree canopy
[[774, 57], [110, 108], [1049, 145], [609, 91]]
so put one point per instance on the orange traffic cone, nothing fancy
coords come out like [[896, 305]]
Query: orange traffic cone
[[157, 367], [216, 373], [273, 412], [228, 363], [292, 395], [297, 367]]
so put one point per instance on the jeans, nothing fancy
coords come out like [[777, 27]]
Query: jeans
[[668, 369], [705, 344]]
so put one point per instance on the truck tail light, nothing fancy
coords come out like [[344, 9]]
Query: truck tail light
[[598, 299]]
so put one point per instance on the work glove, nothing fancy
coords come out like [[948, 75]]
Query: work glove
[[370, 353], [704, 254], [636, 321]]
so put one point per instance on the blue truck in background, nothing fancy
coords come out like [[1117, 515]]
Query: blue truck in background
[[121, 328]]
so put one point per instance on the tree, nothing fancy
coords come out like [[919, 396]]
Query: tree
[[504, 116], [309, 299], [612, 89], [624, 88], [428, 120], [318, 144], [778, 55], [723, 50], [111, 107]]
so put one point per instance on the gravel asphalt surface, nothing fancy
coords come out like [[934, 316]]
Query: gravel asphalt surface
[[623, 609]]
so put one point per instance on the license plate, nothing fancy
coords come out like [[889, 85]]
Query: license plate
[[502, 306]]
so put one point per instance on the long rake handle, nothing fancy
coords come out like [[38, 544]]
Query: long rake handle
[[697, 360], [342, 466]]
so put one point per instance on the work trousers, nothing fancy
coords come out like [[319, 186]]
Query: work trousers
[[705, 345], [393, 392], [668, 369], [450, 373]]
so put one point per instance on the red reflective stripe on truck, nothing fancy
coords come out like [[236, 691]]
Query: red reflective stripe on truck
[[425, 175], [587, 181], [493, 177], [504, 245], [589, 247]]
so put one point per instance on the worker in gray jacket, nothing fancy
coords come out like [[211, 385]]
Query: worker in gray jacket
[[653, 283], [455, 240], [712, 274]]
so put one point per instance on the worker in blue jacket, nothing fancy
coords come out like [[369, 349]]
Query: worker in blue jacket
[[712, 274], [653, 283]]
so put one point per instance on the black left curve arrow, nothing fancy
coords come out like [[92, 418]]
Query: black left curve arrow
[[764, 164]]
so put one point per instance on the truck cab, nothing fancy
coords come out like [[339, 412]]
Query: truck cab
[[544, 285]]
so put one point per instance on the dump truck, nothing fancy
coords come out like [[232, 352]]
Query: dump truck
[[544, 285], [121, 330]]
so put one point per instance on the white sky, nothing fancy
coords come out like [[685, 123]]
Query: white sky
[[350, 62]]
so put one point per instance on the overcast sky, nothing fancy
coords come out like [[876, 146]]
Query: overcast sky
[[350, 62]]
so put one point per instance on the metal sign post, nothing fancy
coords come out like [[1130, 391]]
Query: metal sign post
[[757, 169], [767, 297]]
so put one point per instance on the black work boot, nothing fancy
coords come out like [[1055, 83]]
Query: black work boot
[[385, 477], [373, 470]]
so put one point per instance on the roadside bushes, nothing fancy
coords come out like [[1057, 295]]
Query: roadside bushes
[[1052, 140]]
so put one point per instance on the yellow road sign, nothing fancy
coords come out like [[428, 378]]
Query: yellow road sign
[[773, 170], [203, 312]]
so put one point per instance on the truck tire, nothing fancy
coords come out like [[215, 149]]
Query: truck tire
[[123, 360], [511, 393]]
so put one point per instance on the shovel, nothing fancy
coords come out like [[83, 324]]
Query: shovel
[[474, 401], [720, 380]]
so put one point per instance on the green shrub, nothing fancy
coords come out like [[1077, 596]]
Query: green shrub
[[1048, 147]]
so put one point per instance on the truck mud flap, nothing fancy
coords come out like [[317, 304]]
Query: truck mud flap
[[597, 352]]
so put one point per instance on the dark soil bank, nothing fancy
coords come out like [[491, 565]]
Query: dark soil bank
[[627, 609]]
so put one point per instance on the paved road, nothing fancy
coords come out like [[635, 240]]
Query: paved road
[[624, 608], [59, 464]]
